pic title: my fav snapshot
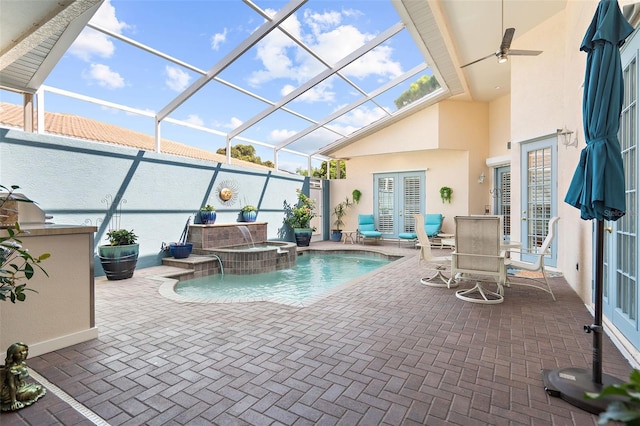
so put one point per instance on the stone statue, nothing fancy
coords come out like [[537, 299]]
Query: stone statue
[[15, 391]]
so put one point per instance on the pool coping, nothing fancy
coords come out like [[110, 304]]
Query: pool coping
[[168, 282]]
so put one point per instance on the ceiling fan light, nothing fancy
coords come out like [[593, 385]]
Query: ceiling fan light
[[502, 58]]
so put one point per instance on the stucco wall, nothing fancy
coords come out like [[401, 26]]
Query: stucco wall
[[162, 191], [546, 96]]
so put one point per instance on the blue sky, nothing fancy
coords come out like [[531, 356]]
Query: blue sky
[[201, 33]]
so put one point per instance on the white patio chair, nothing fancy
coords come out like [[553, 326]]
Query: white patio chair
[[537, 265], [478, 253], [439, 263]]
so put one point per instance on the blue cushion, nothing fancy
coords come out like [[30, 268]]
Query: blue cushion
[[371, 234], [408, 235], [432, 224]]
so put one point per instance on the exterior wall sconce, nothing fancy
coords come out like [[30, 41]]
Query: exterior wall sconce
[[481, 178], [564, 137]]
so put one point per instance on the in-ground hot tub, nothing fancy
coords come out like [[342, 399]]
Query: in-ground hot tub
[[242, 247]]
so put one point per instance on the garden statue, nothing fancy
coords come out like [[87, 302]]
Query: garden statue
[[15, 391]]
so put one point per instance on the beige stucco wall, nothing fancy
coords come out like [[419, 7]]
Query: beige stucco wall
[[547, 95], [462, 127]]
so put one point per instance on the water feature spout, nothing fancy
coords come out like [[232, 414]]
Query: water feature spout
[[215, 256], [244, 230]]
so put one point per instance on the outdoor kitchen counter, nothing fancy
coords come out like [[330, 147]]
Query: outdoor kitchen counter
[[62, 312]]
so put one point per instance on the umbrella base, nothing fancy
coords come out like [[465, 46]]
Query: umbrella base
[[571, 383]]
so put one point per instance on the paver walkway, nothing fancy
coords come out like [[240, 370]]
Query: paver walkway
[[382, 350]]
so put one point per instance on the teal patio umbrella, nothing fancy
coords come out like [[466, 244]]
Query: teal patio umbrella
[[597, 187]]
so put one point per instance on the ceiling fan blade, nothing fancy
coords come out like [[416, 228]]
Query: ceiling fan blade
[[478, 60], [506, 39], [524, 52]]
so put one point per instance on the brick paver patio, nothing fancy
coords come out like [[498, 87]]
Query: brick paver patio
[[382, 350]]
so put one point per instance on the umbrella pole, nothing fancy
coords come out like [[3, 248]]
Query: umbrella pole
[[571, 383], [596, 328]]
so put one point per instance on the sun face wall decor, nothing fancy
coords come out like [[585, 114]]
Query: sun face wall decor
[[228, 192]]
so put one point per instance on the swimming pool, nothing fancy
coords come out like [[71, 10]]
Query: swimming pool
[[315, 275]]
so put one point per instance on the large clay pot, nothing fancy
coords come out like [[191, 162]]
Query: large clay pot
[[119, 262], [303, 236]]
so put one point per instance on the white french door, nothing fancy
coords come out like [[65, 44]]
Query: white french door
[[397, 197], [539, 170]]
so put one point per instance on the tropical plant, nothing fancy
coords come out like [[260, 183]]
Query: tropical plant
[[626, 406], [445, 194], [121, 237], [208, 208], [340, 211], [300, 215], [356, 194], [17, 265], [249, 208]]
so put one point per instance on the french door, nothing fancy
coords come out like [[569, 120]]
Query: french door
[[620, 280], [502, 197], [538, 203], [397, 197]]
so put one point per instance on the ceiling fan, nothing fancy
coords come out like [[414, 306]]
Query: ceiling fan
[[505, 51]]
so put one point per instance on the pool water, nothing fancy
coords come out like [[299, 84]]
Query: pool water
[[315, 274]]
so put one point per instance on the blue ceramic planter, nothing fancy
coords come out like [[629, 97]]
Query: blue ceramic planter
[[249, 216], [207, 217], [180, 251]]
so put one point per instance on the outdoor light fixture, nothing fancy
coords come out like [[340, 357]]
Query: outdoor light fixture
[[502, 58], [564, 137], [481, 178]]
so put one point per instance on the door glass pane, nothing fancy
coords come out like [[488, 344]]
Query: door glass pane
[[626, 273], [411, 201], [539, 193], [386, 205]]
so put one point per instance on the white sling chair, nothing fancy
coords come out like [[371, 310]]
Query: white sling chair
[[478, 252], [439, 262], [537, 265]]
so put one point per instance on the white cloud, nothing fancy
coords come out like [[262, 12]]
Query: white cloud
[[279, 135], [195, 120], [177, 79], [218, 39], [103, 75], [91, 42], [332, 40], [233, 123], [321, 92], [357, 119]]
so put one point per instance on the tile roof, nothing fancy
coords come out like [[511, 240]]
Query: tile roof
[[85, 128]]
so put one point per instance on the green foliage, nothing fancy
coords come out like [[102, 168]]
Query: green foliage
[[249, 208], [356, 194], [445, 194], [17, 265], [626, 406], [300, 215], [417, 90], [208, 208], [121, 237], [246, 153], [340, 211], [321, 172]]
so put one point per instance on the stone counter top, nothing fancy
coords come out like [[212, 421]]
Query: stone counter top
[[38, 229]]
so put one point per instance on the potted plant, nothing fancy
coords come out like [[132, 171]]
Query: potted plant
[[299, 218], [249, 213], [445, 194], [208, 214], [339, 211], [17, 265], [119, 257]]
